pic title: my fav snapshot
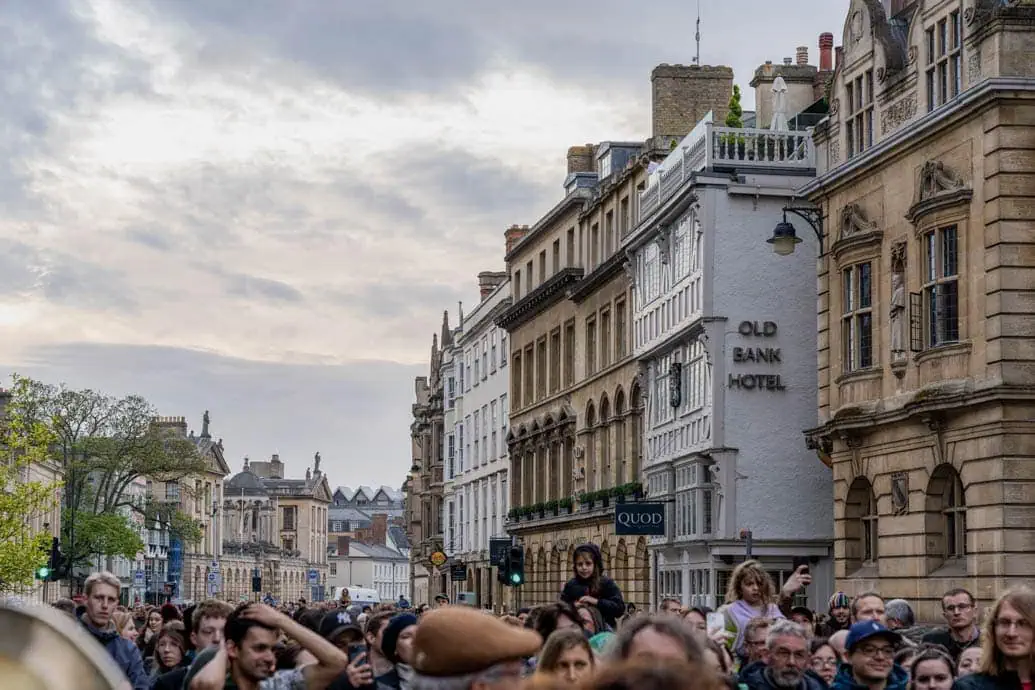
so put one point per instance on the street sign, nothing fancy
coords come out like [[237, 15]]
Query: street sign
[[213, 577], [646, 519], [314, 576], [138, 578], [213, 589], [458, 572]]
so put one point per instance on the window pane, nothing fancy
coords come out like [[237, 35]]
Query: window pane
[[931, 258], [849, 303], [864, 285], [931, 101], [948, 310], [949, 256], [942, 37], [865, 330]]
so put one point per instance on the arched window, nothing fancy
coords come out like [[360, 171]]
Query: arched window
[[945, 519], [861, 526], [621, 471], [604, 434]]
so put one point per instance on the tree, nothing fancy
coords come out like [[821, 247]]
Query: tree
[[23, 501], [734, 118], [102, 445]]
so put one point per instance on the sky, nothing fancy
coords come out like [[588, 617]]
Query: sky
[[262, 208]]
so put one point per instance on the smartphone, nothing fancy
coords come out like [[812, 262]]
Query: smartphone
[[716, 622], [356, 649], [799, 561]]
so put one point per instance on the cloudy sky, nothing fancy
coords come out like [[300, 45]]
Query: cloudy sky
[[262, 207]]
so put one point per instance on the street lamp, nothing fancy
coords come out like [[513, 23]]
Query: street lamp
[[785, 237]]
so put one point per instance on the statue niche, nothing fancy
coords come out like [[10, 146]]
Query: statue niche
[[853, 222]]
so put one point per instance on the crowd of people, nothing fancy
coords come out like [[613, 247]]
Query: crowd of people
[[589, 638]]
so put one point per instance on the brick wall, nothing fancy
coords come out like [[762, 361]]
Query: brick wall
[[683, 94]]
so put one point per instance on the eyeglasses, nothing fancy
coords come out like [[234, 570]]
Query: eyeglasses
[[877, 651], [957, 608], [824, 663]]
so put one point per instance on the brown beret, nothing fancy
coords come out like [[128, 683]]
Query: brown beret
[[458, 640]]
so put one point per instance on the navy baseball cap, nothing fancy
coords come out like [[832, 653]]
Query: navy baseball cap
[[865, 630]]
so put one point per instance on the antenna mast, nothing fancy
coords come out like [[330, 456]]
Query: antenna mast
[[697, 59]]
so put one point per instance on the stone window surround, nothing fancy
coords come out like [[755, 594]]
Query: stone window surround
[[852, 251]]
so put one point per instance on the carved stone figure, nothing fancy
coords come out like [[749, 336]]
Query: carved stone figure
[[853, 222], [664, 243], [935, 178], [204, 425], [898, 301], [308, 473], [316, 462]]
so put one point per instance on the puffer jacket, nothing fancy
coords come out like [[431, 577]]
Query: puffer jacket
[[983, 681], [122, 651]]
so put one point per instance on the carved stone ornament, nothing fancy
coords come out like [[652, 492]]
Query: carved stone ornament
[[835, 151], [980, 12], [974, 65], [630, 271], [935, 179], [835, 105], [898, 256], [853, 222], [897, 114], [900, 493]]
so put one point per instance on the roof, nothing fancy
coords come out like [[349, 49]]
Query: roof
[[246, 482], [349, 514], [375, 551], [398, 536]]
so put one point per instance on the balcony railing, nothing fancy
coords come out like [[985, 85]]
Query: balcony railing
[[711, 147]]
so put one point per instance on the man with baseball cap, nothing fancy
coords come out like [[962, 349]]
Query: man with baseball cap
[[870, 660]]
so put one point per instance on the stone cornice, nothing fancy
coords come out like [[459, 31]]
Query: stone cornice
[[543, 297], [578, 197], [598, 278], [915, 133]]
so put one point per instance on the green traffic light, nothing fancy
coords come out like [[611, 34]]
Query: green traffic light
[[43, 573], [515, 578]]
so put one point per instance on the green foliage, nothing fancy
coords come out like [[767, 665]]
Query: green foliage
[[102, 445], [181, 526], [23, 500], [734, 118], [107, 534]]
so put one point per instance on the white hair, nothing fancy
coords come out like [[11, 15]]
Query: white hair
[[785, 628]]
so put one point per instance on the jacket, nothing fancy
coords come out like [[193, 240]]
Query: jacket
[[844, 680], [609, 597], [755, 677], [983, 681], [123, 652]]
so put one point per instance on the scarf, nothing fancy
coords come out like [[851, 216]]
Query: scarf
[[741, 612]]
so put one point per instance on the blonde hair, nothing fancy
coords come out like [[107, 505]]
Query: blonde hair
[[1023, 600], [751, 570], [103, 577], [122, 620]]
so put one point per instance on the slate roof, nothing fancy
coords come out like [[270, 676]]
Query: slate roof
[[374, 551], [246, 482], [398, 536]]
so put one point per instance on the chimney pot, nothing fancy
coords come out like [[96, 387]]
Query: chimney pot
[[826, 52], [803, 55], [788, 61]]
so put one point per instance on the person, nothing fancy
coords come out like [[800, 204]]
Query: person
[[592, 621], [207, 622], [788, 660], [970, 662], [697, 618], [839, 615], [870, 660], [754, 646], [590, 585], [170, 650], [671, 606], [1008, 645], [444, 656], [657, 638], [644, 675], [824, 660], [751, 594], [397, 645], [102, 596], [931, 669], [567, 656], [869, 606], [125, 625], [555, 617], [246, 658], [149, 635], [961, 613], [901, 619], [403, 603]]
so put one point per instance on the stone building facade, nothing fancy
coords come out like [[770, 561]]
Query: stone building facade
[[477, 411], [425, 483], [926, 180], [723, 330]]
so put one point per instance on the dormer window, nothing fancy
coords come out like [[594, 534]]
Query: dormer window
[[944, 61], [859, 122], [604, 167]]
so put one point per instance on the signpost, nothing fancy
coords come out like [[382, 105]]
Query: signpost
[[314, 577], [640, 519], [498, 550], [139, 578], [458, 572]]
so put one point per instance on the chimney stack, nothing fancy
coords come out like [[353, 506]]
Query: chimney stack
[[580, 159], [489, 281], [826, 52], [513, 235], [803, 55], [681, 95]]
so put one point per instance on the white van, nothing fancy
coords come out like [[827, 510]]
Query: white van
[[359, 596]]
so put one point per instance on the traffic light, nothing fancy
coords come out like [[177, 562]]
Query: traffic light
[[516, 567], [51, 571], [256, 580], [503, 568], [43, 573]]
